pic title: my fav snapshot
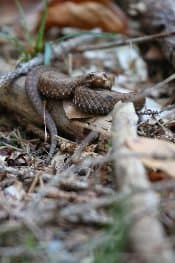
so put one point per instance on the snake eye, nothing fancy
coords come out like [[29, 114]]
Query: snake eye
[[91, 75]]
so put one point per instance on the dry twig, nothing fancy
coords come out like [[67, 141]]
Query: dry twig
[[123, 42]]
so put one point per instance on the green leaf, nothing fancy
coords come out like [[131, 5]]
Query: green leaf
[[39, 41], [104, 34]]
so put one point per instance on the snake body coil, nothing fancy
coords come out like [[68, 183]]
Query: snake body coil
[[90, 92]]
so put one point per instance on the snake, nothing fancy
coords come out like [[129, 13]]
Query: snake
[[90, 93]]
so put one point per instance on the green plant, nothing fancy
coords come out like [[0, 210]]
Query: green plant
[[114, 240], [30, 46], [39, 45]]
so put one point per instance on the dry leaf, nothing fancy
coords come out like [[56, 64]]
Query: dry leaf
[[87, 15], [155, 176], [72, 112], [154, 148]]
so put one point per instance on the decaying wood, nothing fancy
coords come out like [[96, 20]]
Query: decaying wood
[[146, 233]]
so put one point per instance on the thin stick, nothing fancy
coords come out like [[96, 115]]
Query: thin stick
[[126, 41]]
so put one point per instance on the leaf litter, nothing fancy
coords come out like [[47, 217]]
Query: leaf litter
[[58, 209]]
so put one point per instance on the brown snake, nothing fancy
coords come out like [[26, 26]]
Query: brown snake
[[90, 92]]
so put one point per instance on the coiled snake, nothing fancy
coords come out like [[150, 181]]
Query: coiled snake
[[90, 92]]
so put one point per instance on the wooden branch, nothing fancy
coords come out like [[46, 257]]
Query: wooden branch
[[126, 41], [146, 233]]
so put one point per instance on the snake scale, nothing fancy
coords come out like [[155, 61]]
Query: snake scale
[[90, 92]]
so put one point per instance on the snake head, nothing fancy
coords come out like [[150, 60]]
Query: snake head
[[101, 80]]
